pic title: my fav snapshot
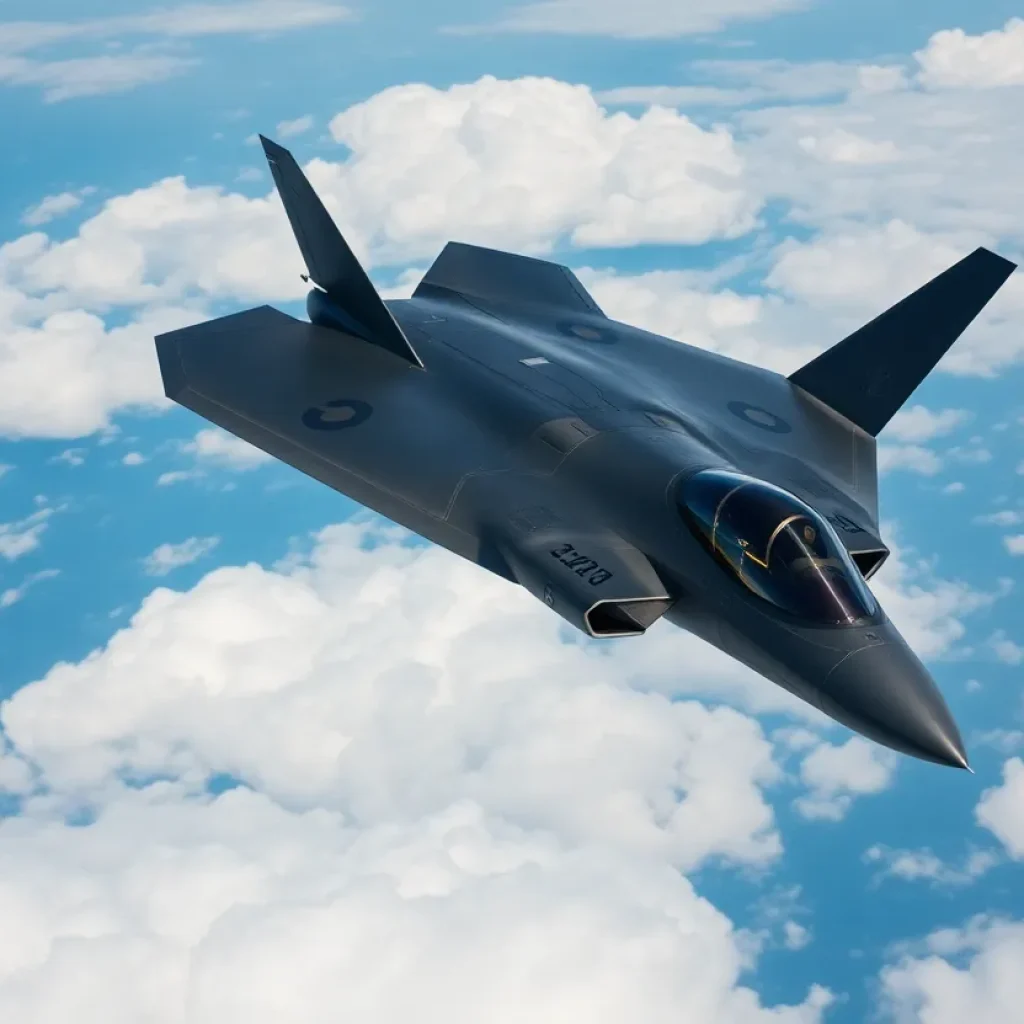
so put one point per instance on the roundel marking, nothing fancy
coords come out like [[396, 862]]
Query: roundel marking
[[586, 332], [758, 417], [338, 414]]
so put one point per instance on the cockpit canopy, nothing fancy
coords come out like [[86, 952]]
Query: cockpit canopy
[[778, 547]]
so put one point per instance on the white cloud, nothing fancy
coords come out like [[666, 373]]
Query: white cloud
[[915, 865], [988, 986], [245, 911], [70, 457], [1015, 543], [918, 423], [216, 447], [489, 162], [91, 76], [242, 678], [20, 537], [133, 459], [1004, 517], [168, 557], [524, 163], [51, 207], [743, 83], [66, 376], [954, 59], [1001, 809], [176, 476], [840, 146], [834, 775], [12, 595], [758, 329], [796, 936], [1006, 741], [973, 454], [927, 609], [288, 129], [642, 19], [182, 21], [913, 457], [1005, 649], [435, 767], [118, 72], [956, 487]]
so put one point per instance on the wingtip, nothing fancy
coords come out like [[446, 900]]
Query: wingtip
[[1007, 266]]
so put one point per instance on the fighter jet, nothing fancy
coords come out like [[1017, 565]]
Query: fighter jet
[[619, 476]]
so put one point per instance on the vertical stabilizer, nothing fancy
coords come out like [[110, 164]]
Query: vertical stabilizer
[[869, 375], [331, 263]]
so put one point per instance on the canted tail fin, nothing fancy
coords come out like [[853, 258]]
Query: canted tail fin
[[868, 376], [331, 263]]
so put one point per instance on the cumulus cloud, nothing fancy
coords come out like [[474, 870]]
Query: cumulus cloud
[[953, 58], [1001, 809], [524, 164], [234, 666], [239, 908], [415, 769], [529, 162], [643, 19], [987, 985], [1015, 543], [167, 557], [66, 376], [835, 775]]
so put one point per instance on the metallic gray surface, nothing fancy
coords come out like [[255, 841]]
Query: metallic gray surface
[[547, 443]]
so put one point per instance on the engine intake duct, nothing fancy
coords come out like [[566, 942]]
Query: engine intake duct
[[593, 579]]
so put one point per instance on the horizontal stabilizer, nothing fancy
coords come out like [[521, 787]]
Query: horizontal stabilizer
[[868, 376], [329, 260], [489, 274]]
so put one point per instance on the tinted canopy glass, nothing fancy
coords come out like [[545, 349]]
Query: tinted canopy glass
[[777, 546]]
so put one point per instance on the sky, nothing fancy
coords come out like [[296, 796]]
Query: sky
[[264, 756]]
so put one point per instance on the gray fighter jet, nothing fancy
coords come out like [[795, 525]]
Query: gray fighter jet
[[617, 475]]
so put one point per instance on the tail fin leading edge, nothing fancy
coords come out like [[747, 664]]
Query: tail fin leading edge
[[329, 260], [868, 376]]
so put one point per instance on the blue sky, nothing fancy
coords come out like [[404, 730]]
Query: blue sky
[[240, 725]]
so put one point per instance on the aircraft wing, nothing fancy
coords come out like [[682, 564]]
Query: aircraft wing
[[348, 414]]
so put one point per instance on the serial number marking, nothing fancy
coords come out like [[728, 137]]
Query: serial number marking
[[580, 564], [844, 523]]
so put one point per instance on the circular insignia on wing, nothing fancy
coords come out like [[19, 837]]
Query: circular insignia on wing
[[338, 414], [758, 417], [586, 332]]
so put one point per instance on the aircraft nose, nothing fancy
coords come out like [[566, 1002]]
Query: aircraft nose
[[886, 693]]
